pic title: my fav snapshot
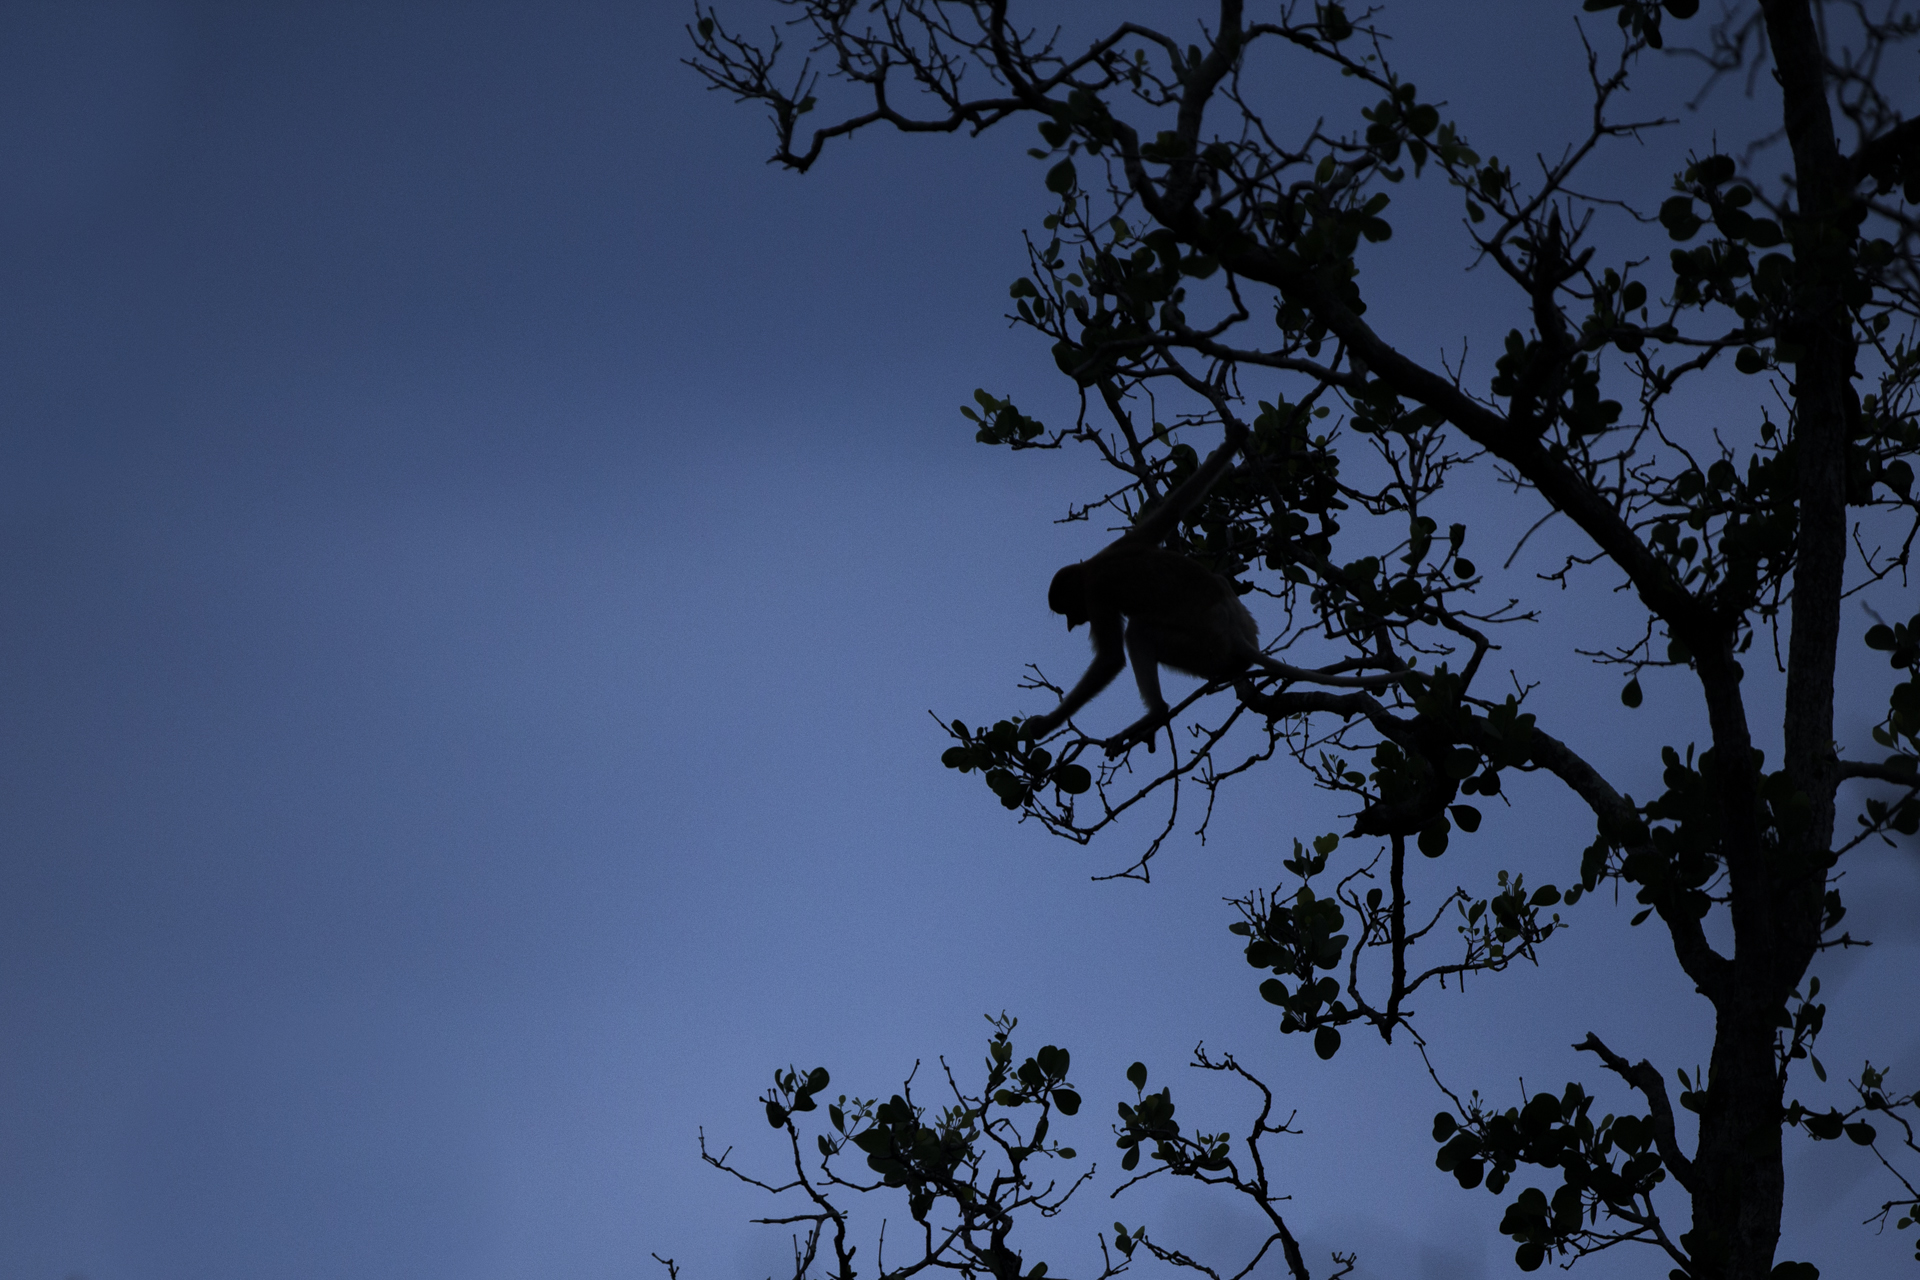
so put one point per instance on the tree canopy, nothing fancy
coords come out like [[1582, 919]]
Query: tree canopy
[[1706, 377]]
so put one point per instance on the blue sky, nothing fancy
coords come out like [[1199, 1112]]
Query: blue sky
[[478, 548]]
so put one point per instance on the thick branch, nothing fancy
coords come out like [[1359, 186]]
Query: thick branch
[[1899, 773], [1711, 972], [1643, 1077], [1824, 400]]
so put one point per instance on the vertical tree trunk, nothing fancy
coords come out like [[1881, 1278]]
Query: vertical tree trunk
[[1778, 881]]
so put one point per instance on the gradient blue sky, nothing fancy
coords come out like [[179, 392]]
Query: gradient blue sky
[[477, 549]]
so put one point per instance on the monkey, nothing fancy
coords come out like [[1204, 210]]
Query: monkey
[[1176, 613]]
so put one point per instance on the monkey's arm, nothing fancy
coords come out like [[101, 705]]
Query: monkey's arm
[[1108, 659], [1157, 521]]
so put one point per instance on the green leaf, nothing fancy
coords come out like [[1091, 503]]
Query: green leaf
[[776, 1114], [1326, 1042], [1466, 817], [1137, 1075], [1067, 1100], [1072, 779], [1631, 694], [1061, 179]]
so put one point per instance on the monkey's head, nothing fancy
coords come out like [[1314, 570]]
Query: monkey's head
[[1068, 594]]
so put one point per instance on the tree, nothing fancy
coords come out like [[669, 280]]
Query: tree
[[1202, 278]]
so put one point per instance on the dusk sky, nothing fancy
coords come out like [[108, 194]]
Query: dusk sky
[[478, 548]]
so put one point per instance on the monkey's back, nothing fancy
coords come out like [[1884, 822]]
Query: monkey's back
[[1193, 616]]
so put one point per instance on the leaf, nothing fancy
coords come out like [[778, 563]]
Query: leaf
[[1326, 1042], [1630, 695], [1678, 217], [1466, 817], [1715, 170], [1334, 23], [1061, 179], [776, 1114], [1067, 1100], [1072, 779]]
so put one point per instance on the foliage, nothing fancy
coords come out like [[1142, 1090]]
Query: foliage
[[1203, 274], [969, 1170]]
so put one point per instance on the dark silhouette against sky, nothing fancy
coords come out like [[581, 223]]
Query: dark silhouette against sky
[[478, 549]]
